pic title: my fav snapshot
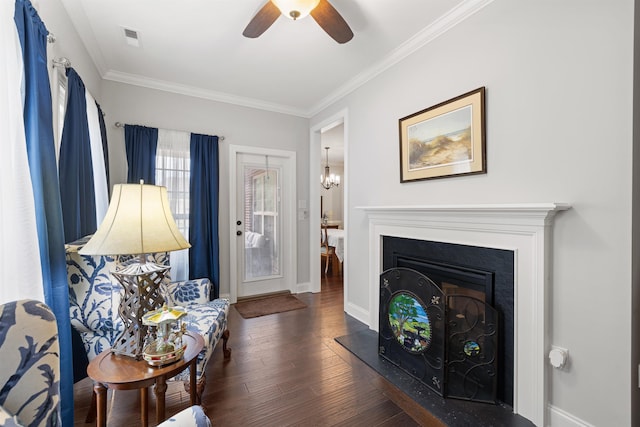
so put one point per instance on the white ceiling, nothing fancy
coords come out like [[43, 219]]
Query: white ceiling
[[196, 47]]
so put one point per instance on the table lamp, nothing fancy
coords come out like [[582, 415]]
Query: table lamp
[[138, 222]]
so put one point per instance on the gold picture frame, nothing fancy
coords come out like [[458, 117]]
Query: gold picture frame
[[445, 140]]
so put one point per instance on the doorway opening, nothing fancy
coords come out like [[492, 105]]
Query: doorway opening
[[332, 132]]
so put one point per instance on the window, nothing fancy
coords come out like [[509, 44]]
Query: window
[[173, 166], [261, 213], [264, 206]]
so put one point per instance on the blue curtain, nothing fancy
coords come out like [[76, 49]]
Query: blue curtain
[[203, 211], [38, 123], [77, 190], [141, 143], [105, 146]]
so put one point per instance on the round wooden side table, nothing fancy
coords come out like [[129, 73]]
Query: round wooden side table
[[109, 370]]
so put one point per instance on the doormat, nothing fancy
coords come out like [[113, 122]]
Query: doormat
[[268, 305]]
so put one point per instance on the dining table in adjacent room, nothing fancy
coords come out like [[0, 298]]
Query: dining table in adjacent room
[[335, 238]]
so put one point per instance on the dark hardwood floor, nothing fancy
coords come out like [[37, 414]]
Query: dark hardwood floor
[[285, 370]]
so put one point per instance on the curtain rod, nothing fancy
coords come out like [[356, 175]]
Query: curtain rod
[[121, 125], [61, 62]]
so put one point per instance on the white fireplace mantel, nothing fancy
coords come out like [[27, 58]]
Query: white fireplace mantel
[[522, 228]]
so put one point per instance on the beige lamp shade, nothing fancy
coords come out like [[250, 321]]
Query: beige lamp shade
[[138, 221]]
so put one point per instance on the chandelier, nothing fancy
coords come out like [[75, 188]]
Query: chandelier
[[328, 180]]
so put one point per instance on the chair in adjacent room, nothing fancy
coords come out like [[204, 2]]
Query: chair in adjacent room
[[326, 252]]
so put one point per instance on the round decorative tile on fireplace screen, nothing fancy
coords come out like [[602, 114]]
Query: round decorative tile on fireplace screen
[[471, 348], [409, 289], [409, 321]]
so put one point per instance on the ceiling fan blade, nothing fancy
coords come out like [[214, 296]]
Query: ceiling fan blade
[[262, 20], [332, 22]]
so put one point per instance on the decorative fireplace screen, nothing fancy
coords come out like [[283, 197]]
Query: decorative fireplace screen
[[448, 342]]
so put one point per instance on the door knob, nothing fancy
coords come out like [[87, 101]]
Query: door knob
[[238, 222], [238, 233]]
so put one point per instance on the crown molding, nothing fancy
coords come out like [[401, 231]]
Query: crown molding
[[196, 92], [452, 18], [440, 26]]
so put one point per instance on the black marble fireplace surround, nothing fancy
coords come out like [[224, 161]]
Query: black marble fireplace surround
[[487, 270]]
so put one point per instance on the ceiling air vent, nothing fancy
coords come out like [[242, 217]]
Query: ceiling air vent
[[131, 36]]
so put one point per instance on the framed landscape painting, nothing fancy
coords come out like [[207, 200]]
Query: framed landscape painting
[[445, 140]]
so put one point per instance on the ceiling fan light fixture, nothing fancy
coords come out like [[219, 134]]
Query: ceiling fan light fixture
[[296, 9]]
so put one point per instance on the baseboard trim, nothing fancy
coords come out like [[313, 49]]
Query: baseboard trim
[[561, 418], [358, 313], [303, 287]]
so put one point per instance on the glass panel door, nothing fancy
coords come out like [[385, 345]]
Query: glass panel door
[[259, 227]]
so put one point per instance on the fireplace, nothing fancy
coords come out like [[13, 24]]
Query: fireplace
[[461, 299], [524, 229]]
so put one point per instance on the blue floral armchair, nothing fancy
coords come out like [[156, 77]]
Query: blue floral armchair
[[193, 416], [95, 296], [30, 377], [30, 374]]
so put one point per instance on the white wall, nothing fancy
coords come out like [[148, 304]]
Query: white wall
[[68, 44], [635, 299], [558, 78], [239, 125]]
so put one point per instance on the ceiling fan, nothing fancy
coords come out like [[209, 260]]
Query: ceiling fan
[[320, 10]]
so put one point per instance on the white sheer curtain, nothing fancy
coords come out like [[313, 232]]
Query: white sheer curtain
[[173, 172], [59, 99], [97, 159], [20, 273]]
